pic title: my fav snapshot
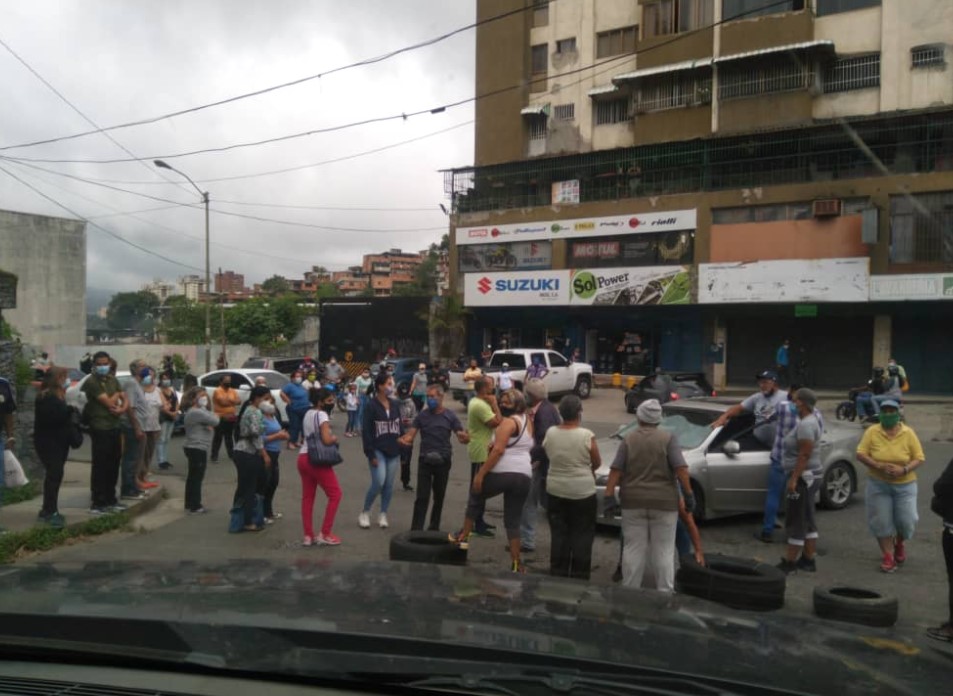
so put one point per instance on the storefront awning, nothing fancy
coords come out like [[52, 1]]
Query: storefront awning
[[604, 89], [821, 44], [661, 69], [535, 110]]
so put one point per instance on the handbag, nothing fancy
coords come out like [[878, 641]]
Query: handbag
[[75, 429], [320, 454]]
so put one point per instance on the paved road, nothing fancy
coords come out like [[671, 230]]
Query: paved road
[[848, 554]]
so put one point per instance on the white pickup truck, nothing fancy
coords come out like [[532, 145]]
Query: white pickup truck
[[562, 377]]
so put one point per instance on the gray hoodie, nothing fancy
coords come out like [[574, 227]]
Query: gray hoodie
[[198, 434]]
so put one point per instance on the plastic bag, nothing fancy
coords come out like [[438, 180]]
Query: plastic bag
[[13, 476]]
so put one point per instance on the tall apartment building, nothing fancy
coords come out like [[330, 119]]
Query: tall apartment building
[[686, 183], [162, 289], [192, 286], [390, 269], [229, 282]]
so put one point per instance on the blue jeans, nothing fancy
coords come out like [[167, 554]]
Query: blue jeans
[[683, 542], [382, 480], [295, 420], [535, 499], [130, 457], [163, 442], [865, 405], [879, 399], [351, 422], [772, 501], [361, 405], [891, 508]]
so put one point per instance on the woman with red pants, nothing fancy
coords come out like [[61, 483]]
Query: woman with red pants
[[318, 420]]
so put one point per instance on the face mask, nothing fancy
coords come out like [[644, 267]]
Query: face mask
[[268, 409], [889, 420], [297, 380], [421, 370], [327, 408], [203, 403], [507, 410], [166, 383], [147, 380], [433, 404], [389, 391], [102, 370], [792, 407], [66, 383], [226, 385]]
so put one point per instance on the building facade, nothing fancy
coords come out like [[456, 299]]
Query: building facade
[[230, 283], [48, 256], [192, 286], [162, 289], [686, 184]]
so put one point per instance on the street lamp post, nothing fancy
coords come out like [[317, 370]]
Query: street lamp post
[[208, 273]]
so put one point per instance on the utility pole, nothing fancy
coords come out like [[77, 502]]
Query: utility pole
[[221, 306]]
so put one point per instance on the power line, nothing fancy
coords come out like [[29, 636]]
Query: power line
[[256, 218], [305, 166], [96, 225], [229, 100], [403, 116]]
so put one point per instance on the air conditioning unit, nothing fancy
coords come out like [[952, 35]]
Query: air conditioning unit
[[829, 207]]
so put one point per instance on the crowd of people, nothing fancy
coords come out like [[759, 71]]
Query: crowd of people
[[537, 456]]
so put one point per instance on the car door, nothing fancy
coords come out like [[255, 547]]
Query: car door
[[560, 374], [738, 482]]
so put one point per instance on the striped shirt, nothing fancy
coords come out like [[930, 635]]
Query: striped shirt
[[786, 418]]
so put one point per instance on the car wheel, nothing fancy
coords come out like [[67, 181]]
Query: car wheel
[[699, 513], [426, 547], [583, 387], [739, 583], [855, 605], [838, 486], [845, 411]]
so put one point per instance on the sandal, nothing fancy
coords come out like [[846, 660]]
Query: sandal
[[944, 633]]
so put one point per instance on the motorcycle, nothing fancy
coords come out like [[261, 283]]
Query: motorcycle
[[847, 410]]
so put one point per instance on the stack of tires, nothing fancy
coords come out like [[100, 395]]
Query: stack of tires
[[426, 547], [739, 583]]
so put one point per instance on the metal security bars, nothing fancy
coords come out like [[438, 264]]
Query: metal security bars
[[926, 56], [750, 78], [921, 228], [564, 112], [858, 72], [904, 144], [670, 91], [611, 111]]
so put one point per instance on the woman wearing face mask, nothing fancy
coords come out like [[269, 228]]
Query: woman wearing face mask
[[167, 416], [200, 424], [364, 383], [154, 404], [295, 396], [274, 435], [250, 456], [225, 401], [318, 420], [892, 453], [381, 429], [51, 437], [507, 471], [418, 387]]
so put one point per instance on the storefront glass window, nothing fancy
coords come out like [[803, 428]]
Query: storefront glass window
[[670, 248]]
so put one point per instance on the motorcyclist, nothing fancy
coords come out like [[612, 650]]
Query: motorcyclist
[[307, 366], [864, 396], [892, 389]]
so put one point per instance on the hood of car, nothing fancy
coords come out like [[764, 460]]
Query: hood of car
[[250, 614]]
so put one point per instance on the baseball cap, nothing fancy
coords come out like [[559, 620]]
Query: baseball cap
[[506, 364], [767, 374], [889, 403]]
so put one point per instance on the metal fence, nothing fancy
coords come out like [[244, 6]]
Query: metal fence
[[858, 72]]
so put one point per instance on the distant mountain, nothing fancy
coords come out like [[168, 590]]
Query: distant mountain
[[96, 298]]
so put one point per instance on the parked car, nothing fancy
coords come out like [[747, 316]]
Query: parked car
[[668, 386], [283, 365], [404, 369], [76, 397], [728, 466], [563, 377], [243, 380]]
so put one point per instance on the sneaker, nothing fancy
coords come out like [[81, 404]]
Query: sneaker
[[900, 552], [364, 521], [328, 540], [98, 511], [408, 488], [138, 495], [276, 515], [43, 516], [461, 541], [269, 520], [164, 466], [944, 632], [764, 537], [148, 484], [382, 521], [56, 521], [889, 563], [787, 567], [808, 564], [487, 525], [307, 541], [198, 511], [118, 507]]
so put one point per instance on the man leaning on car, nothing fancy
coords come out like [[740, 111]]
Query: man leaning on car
[[762, 404]]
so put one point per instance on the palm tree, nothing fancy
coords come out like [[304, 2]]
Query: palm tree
[[447, 319]]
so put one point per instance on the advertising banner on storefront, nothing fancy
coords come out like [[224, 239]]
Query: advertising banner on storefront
[[645, 285], [913, 286], [636, 223], [508, 256], [817, 280], [516, 289]]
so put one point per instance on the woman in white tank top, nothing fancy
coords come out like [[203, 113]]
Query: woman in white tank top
[[507, 471]]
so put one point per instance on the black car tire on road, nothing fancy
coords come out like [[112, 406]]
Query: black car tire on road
[[583, 387], [838, 486], [739, 583], [426, 547], [855, 605]]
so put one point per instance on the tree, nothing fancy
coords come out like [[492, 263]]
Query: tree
[[276, 285], [261, 322], [447, 321], [368, 290], [184, 322], [425, 278], [130, 310], [326, 290]]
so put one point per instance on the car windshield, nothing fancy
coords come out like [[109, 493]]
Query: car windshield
[[691, 427], [273, 380], [516, 361]]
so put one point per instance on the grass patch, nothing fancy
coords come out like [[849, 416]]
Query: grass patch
[[11, 496], [15, 544]]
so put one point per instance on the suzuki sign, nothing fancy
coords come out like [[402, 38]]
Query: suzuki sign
[[518, 289], [636, 223]]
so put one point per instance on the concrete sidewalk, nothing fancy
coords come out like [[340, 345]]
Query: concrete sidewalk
[[73, 502]]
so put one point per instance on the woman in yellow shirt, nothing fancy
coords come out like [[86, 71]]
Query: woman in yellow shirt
[[892, 453]]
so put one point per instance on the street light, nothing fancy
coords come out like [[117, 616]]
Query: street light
[[208, 274]]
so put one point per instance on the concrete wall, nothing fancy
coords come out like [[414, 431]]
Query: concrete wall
[[49, 257], [69, 355], [905, 24]]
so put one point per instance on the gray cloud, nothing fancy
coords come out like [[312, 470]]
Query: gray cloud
[[124, 61]]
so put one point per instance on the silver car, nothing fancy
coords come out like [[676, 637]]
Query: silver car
[[243, 380], [729, 467]]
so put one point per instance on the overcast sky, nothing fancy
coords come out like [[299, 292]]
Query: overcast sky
[[123, 61]]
